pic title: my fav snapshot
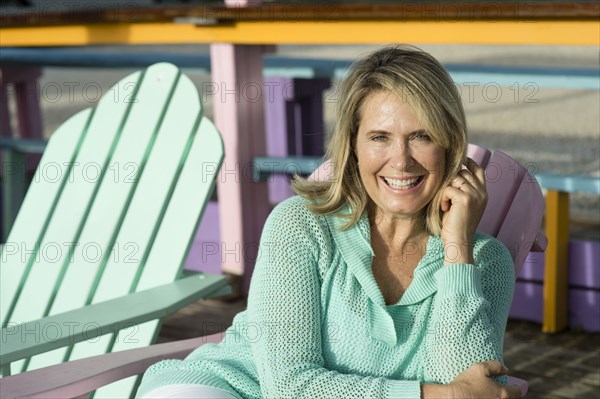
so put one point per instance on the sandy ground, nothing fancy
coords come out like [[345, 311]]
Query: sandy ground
[[549, 130]]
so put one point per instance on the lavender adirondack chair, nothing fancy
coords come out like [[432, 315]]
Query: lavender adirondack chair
[[513, 215]]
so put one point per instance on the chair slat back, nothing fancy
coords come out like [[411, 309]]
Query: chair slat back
[[479, 154], [144, 167], [515, 207], [520, 231], [503, 178], [204, 160], [19, 252]]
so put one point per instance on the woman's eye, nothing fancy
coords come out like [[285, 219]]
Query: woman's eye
[[378, 138], [422, 136]]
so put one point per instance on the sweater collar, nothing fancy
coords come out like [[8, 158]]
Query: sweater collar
[[354, 245], [355, 248]]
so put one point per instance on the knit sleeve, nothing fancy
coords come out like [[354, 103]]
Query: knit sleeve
[[284, 306], [470, 311]]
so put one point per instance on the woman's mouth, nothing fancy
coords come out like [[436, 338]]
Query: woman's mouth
[[403, 184]]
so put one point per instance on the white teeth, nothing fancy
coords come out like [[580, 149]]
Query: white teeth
[[401, 184]]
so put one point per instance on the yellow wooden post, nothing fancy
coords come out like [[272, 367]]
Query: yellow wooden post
[[556, 282]]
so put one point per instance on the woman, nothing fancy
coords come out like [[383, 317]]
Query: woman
[[372, 283]]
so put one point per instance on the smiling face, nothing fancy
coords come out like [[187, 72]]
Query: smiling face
[[400, 166]]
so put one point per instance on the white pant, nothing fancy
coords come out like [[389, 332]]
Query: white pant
[[187, 391]]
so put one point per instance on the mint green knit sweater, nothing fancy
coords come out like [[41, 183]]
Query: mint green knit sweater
[[317, 325]]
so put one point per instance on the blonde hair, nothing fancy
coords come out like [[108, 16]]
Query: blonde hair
[[416, 77]]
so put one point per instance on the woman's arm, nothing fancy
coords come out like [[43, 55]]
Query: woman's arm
[[475, 286], [470, 312]]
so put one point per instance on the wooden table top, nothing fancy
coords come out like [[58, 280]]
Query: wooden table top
[[560, 23]]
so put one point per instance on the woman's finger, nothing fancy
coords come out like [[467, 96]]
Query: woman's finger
[[457, 181], [468, 176], [446, 201], [476, 170], [463, 183], [494, 368]]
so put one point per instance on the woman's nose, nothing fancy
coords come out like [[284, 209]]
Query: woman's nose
[[401, 157]]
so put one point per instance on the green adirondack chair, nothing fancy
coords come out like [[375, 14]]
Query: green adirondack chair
[[96, 252]]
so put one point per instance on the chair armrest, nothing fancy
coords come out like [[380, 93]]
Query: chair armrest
[[79, 377], [109, 316], [264, 167], [24, 146], [13, 178]]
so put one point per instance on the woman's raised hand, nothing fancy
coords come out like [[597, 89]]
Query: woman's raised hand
[[463, 202]]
